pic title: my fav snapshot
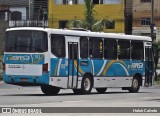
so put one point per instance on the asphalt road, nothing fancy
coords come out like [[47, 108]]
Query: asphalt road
[[11, 95], [16, 96]]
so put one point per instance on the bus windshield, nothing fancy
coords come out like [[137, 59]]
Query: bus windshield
[[26, 41]]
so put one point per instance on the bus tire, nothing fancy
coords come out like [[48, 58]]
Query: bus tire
[[101, 90], [135, 86], [87, 84], [50, 90]]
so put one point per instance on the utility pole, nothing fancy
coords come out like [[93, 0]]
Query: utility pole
[[152, 25], [29, 9], [31, 2]]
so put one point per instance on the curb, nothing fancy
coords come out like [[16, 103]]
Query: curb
[[156, 85]]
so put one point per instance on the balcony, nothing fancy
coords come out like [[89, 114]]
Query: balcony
[[28, 23]]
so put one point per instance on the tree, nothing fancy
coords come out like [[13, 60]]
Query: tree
[[89, 22]]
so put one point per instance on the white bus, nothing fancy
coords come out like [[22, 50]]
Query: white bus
[[57, 59]]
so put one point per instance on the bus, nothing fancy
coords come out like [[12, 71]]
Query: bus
[[57, 59]]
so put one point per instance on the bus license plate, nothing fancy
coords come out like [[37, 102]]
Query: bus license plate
[[24, 80]]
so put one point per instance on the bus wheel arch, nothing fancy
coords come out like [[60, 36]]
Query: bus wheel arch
[[49, 90]]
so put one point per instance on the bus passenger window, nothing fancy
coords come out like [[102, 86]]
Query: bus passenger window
[[110, 49], [123, 49], [84, 47], [96, 48], [137, 50], [58, 45]]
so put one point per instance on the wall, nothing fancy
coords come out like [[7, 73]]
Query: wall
[[3, 27], [69, 12], [143, 10]]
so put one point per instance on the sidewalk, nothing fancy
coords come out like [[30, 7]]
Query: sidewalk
[[156, 84]]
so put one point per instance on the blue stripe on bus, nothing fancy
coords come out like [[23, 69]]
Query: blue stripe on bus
[[99, 68]]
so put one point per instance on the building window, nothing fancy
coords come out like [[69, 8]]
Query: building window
[[137, 50], [112, 1], [16, 15], [84, 47], [110, 25], [63, 24], [65, 1], [145, 21], [2, 15], [57, 1], [81, 1], [75, 1], [145, 0], [97, 1], [123, 49], [70, 2], [58, 45], [110, 49], [96, 48]]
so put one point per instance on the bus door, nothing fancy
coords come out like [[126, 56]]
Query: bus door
[[73, 64], [149, 71]]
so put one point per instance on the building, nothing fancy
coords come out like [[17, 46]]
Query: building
[[142, 18], [18, 10], [21, 13], [128, 17], [38, 9], [11, 11], [3, 24], [62, 11]]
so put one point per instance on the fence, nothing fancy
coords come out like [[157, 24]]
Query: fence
[[28, 23]]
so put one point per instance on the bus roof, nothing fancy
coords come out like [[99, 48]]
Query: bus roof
[[85, 33]]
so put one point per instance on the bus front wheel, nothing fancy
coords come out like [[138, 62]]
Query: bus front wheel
[[135, 86], [50, 90], [101, 90]]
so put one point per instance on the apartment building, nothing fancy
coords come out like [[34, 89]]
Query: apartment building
[[142, 18], [3, 24], [62, 11], [128, 17]]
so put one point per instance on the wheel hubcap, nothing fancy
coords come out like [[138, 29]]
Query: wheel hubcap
[[135, 83], [87, 84]]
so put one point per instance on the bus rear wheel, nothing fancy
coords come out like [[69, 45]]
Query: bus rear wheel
[[50, 90], [135, 86], [101, 90]]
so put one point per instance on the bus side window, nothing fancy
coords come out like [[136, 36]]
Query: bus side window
[[123, 49], [137, 50], [110, 49], [58, 45], [96, 48], [84, 47]]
